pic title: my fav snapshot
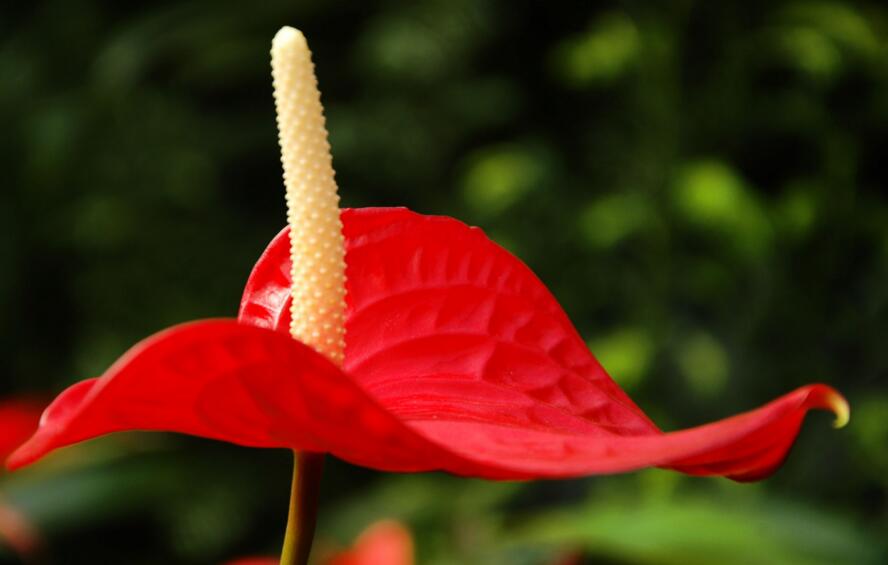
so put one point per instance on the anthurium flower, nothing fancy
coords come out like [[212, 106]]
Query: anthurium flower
[[458, 358], [383, 543], [420, 345]]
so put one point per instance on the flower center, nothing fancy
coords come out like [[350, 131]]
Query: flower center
[[316, 242]]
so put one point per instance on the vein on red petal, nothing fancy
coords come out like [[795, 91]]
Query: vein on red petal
[[458, 358]]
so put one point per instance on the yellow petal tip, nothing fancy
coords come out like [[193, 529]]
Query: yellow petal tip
[[840, 408]]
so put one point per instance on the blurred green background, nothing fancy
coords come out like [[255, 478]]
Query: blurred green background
[[701, 184]]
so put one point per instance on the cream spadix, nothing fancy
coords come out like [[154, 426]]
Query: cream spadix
[[316, 242]]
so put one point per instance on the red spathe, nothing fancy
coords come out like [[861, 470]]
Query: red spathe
[[458, 358]]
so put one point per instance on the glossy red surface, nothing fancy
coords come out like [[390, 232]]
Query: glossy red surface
[[18, 421], [458, 358]]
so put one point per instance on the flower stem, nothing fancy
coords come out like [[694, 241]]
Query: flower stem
[[307, 470]]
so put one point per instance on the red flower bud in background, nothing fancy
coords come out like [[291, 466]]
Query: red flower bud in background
[[383, 543], [18, 420]]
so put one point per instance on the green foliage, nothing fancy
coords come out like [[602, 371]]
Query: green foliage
[[709, 195], [601, 54], [704, 363], [498, 177], [626, 353], [700, 531]]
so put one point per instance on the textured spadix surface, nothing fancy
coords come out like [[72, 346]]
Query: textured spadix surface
[[457, 358], [316, 244]]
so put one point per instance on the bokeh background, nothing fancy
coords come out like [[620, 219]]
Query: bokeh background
[[701, 184]]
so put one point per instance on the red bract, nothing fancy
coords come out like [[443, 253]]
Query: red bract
[[458, 358]]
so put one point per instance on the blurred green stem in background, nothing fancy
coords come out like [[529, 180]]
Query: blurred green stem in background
[[307, 471]]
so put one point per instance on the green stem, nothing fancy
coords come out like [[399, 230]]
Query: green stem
[[304, 497]]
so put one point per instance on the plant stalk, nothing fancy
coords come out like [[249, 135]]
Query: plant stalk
[[304, 497]]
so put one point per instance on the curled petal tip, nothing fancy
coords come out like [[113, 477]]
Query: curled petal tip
[[828, 398], [840, 408]]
